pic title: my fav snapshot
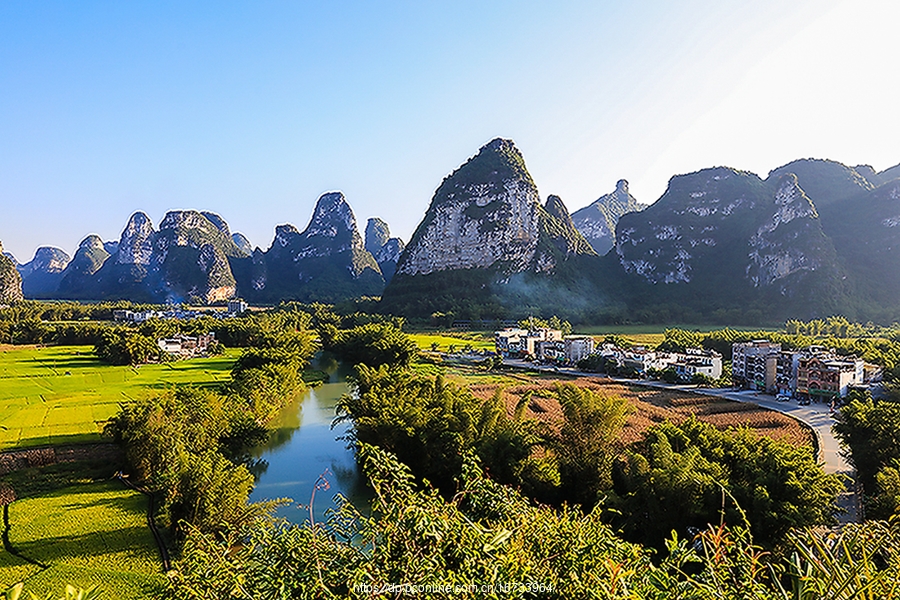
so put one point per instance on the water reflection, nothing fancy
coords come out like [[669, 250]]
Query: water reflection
[[303, 446]]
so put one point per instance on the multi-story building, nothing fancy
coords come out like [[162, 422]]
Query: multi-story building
[[236, 306], [577, 347], [569, 350], [510, 341], [786, 372], [696, 361], [523, 342], [185, 346], [550, 351], [754, 364], [642, 360], [822, 374]]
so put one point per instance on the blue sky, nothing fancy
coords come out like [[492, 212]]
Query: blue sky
[[253, 109]]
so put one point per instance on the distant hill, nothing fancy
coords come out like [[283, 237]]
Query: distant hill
[[327, 261], [10, 280], [383, 247], [42, 274], [812, 239], [597, 221]]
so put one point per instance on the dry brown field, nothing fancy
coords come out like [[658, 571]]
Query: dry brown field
[[651, 406]]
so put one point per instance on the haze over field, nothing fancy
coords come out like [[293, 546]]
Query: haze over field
[[253, 111]]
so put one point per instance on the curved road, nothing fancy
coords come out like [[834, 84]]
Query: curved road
[[816, 416]]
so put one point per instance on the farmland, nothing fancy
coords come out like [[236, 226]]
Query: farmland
[[649, 405], [650, 335], [426, 341], [79, 527], [88, 534], [64, 394]]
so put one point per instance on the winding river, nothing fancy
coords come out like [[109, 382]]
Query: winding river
[[303, 447]]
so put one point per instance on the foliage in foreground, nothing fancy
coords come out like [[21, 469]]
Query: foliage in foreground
[[72, 593], [489, 542], [372, 344], [430, 423], [678, 478], [871, 431], [186, 443], [674, 480]]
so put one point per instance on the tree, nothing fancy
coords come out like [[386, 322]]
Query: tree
[[175, 443], [126, 347], [430, 423], [589, 440], [374, 345], [870, 431], [692, 474]]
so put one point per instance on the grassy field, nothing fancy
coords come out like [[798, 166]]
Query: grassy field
[[89, 534], [642, 335], [63, 394], [425, 341], [652, 335]]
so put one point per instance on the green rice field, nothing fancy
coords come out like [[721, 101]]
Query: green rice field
[[653, 335], [90, 534], [425, 341], [64, 394]]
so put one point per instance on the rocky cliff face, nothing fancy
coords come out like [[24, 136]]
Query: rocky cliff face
[[42, 274], [559, 237], [790, 241], [187, 259], [485, 238], [824, 181], [688, 228], [191, 250], [484, 215], [866, 231], [385, 249], [242, 243], [10, 280], [326, 261], [724, 237], [136, 242], [597, 221]]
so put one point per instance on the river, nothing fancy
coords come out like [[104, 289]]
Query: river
[[303, 447]]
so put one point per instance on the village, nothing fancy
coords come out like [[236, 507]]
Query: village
[[814, 373]]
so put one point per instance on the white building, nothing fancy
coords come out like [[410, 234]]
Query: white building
[[236, 306], [696, 361], [523, 342], [577, 347], [755, 364], [186, 346]]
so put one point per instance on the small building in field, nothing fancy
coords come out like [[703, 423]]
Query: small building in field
[[186, 346], [236, 306], [697, 361], [519, 343]]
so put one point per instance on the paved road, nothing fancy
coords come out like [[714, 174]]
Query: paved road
[[817, 416]]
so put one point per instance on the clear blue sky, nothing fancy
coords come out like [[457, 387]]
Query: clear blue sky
[[253, 109]]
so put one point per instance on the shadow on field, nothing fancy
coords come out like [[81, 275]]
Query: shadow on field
[[75, 362], [51, 549]]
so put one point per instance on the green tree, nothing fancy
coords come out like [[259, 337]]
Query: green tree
[[589, 441], [870, 431], [374, 345], [692, 474]]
